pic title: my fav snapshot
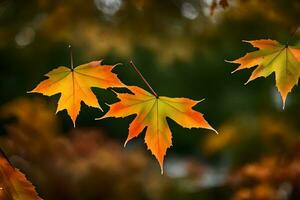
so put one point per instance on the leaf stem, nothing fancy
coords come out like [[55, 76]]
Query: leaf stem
[[71, 57], [142, 77], [292, 35]]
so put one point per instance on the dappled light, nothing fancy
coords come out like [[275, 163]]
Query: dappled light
[[136, 99]]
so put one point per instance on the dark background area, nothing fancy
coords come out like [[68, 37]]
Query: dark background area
[[180, 47]]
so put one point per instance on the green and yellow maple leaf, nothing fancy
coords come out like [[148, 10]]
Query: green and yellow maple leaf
[[283, 60], [75, 85]]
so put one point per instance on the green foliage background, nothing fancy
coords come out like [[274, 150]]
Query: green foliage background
[[180, 56]]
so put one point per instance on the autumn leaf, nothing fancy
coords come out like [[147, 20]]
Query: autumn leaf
[[75, 85], [151, 112], [271, 57], [13, 184]]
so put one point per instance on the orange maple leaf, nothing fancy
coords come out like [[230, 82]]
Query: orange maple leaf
[[13, 183], [151, 112], [271, 57], [75, 85]]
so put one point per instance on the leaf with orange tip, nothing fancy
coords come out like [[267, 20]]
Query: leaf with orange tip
[[151, 112], [270, 57], [75, 85], [13, 184]]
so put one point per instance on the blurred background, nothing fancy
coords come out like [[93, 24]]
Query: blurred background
[[180, 47]]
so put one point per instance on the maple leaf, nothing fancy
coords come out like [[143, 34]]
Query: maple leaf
[[75, 85], [13, 183], [151, 112], [271, 57]]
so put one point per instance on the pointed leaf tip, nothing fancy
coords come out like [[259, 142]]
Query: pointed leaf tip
[[234, 71], [215, 131], [283, 104], [246, 41], [125, 143], [118, 64], [100, 108], [103, 117], [230, 61], [99, 118], [199, 101], [250, 79]]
